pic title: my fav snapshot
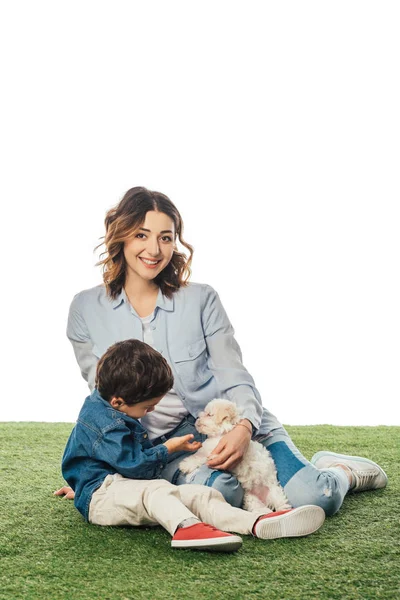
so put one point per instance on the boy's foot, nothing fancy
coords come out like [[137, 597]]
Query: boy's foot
[[294, 522], [366, 474], [205, 537]]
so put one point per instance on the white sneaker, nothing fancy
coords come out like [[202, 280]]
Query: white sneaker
[[295, 522], [367, 475]]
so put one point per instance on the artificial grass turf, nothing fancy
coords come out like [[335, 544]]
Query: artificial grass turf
[[49, 552]]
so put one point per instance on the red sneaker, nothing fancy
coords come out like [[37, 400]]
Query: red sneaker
[[205, 537], [295, 522]]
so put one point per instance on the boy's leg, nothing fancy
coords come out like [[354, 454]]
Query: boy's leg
[[303, 483], [211, 507], [122, 501]]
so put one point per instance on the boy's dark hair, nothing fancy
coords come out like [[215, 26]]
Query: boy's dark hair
[[133, 371]]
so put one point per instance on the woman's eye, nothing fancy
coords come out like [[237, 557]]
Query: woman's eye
[[139, 234], [167, 238]]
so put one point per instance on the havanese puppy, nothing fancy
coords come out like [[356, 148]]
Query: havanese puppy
[[256, 471]]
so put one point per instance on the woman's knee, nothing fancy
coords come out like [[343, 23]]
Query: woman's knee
[[228, 485], [307, 488], [330, 503], [222, 481]]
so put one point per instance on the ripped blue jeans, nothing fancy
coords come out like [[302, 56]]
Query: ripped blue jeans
[[303, 483]]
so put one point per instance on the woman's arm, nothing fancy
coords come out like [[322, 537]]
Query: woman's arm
[[225, 359], [234, 381], [78, 335]]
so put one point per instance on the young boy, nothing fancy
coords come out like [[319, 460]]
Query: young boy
[[115, 470]]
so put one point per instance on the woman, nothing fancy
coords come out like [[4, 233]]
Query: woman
[[146, 295]]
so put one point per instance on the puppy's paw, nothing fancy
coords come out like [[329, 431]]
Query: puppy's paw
[[285, 506], [187, 465]]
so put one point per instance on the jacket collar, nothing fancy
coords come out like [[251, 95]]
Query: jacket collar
[[162, 301], [116, 414]]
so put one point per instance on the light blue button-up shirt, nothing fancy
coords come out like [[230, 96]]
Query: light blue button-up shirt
[[193, 333]]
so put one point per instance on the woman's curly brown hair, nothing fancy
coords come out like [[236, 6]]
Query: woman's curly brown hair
[[120, 222]]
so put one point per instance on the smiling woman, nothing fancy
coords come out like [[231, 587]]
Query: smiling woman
[[141, 251], [148, 253], [146, 295]]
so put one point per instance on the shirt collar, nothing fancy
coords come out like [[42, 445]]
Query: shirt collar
[[162, 301]]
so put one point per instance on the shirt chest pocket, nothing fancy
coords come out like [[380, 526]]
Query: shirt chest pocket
[[190, 362]]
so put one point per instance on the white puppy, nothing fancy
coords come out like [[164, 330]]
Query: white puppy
[[256, 471]]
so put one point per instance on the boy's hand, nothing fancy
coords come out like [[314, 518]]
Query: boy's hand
[[178, 444], [65, 491]]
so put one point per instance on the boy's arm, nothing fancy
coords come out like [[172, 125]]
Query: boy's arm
[[148, 457], [124, 453]]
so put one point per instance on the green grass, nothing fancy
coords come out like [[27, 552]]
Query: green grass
[[49, 552]]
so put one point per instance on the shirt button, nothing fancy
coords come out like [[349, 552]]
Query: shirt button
[[145, 435]]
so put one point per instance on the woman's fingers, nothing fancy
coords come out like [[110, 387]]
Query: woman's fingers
[[216, 461]]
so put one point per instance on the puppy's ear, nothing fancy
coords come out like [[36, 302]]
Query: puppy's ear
[[226, 424], [233, 413]]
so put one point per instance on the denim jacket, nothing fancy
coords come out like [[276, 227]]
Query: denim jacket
[[105, 441], [193, 333]]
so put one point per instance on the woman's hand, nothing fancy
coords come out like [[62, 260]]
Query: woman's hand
[[65, 491], [229, 452], [182, 443]]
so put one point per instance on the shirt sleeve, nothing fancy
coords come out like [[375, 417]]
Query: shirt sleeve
[[225, 359], [78, 335], [118, 449]]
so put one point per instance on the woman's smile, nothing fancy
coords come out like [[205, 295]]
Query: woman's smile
[[150, 263], [155, 237]]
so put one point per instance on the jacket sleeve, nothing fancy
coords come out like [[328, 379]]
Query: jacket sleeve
[[225, 359], [78, 335], [126, 455]]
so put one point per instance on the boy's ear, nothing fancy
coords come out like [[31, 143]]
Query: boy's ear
[[116, 402]]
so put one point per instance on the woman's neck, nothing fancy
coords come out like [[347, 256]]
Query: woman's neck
[[140, 289]]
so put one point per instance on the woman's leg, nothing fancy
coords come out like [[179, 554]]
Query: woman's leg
[[303, 483]]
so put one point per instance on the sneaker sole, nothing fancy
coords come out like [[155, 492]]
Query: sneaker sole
[[322, 454], [229, 544], [302, 521]]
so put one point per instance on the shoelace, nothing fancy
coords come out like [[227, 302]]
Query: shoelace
[[363, 477]]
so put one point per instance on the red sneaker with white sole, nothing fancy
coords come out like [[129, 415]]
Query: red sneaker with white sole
[[205, 537], [295, 522]]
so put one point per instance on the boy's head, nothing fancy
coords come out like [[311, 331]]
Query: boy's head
[[133, 377]]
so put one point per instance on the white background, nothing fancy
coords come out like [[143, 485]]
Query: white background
[[273, 126]]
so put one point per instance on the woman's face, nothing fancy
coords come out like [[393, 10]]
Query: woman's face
[[151, 246]]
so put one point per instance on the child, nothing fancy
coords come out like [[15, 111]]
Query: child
[[115, 470]]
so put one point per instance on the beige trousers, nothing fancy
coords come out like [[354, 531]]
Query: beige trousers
[[122, 501]]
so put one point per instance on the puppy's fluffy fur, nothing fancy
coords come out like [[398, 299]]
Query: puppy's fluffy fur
[[256, 471]]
